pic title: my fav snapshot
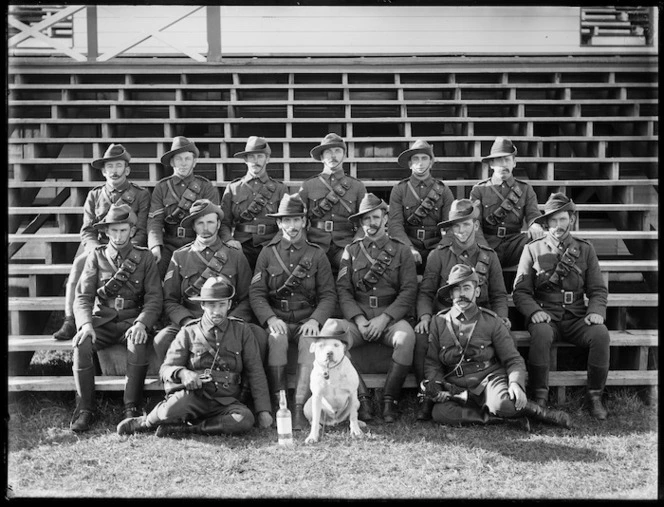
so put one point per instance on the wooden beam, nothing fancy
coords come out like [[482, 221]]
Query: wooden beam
[[93, 43], [213, 18]]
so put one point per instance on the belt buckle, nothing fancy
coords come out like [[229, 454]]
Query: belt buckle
[[261, 229], [458, 371], [119, 303], [502, 231], [181, 232], [373, 301], [568, 297], [283, 304], [421, 233], [329, 225]]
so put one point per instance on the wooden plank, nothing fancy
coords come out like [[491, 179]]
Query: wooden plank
[[615, 378], [38, 269]]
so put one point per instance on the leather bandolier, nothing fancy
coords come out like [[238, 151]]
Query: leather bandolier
[[553, 280], [294, 281], [378, 266], [334, 196], [112, 287], [507, 206], [426, 205], [172, 221], [128, 197], [213, 267], [258, 203]]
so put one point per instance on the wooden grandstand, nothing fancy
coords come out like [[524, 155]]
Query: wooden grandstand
[[585, 125]]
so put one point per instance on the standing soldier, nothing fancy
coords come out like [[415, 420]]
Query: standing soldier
[[505, 203], [171, 199], [377, 287], [418, 203], [293, 294], [118, 299], [247, 201], [207, 256], [114, 165], [459, 247], [330, 198], [554, 274], [202, 374]]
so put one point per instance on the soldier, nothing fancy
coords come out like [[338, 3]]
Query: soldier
[[505, 203], [247, 201], [202, 374], [171, 199], [293, 294], [474, 372], [330, 198], [418, 203], [458, 247], [553, 275], [118, 299], [377, 286], [207, 256], [114, 165]]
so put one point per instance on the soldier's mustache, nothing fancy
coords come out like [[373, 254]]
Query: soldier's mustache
[[462, 299]]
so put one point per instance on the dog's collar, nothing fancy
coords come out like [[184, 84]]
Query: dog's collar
[[327, 368]]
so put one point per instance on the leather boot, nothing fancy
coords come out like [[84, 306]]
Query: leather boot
[[85, 389], [245, 392], [596, 382], [424, 404], [276, 381], [133, 393], [67, 330], [364, 413], [549, 416], [302, 392], [393, 382], [175, 430], [82, 422], [132, 425], [538, 381]]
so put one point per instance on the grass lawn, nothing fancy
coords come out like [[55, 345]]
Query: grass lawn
[[616, 459]]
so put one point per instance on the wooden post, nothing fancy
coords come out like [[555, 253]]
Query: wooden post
[[213, 17], [93, 47]]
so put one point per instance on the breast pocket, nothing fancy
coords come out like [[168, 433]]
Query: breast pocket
[[233, 357], [276, 275], [170, 200]]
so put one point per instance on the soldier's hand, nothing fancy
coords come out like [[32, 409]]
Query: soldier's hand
[[86, 331], [593, 318], [234, 244], [507, 322], [190, 379], [376, 326], [156, 252], [540, 317], [264, 419], [137, 334], [417, 257], [536, 231], [423, 325], [518, 395], [441, 396], [277, 326], [310, 328]]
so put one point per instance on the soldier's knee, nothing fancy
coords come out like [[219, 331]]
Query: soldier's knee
[[243, 420], [446, 413], [598, 335], [82, 357], [541, 334], [137, 353]]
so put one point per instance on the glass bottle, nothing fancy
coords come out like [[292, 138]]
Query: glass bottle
[[284, 422]]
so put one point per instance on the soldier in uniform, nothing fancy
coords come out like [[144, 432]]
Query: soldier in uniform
[[553, 275], [190, 266], [202, 375], [171, 199], [474, 372], [458, 247], [330, 198], [505, 203], [418, 203], [247, 201], [293, 294], [377, 285], [118, 299], [114, 165]]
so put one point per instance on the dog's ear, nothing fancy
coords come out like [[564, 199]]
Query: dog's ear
[[312, 347]]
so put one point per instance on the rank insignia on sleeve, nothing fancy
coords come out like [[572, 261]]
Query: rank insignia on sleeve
[[342, 272], [168, 275], [256, 278]]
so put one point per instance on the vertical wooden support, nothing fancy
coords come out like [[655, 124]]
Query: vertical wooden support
[[93, 45], [213, 19]]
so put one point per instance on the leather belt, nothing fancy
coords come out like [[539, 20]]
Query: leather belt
[[473, 367], [259, 229], [375, 301], [424, 232], [176, 231], [288, 306], [566, 297], [225, 378], [332, 225], [119, 303], [500, 231]]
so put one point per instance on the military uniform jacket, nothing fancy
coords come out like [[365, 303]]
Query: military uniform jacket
[[489, 348], [404, 202], [195, 347], [525, 209], [313, 191], [142, 288], [237, 198], [493, 294], [164, 202], [317, 287], [186, 267], [398, 283], [539, 260], [97, 204]]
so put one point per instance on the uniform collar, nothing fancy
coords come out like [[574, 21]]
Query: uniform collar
[[459, 249], [120, 189], [123, 252], [263, 177], [337, 173], [559, 245], [425, 181], [285, 244], [177, 180], [197, 246], [468, 315], [509, 181], [207, 325], [380, 243]]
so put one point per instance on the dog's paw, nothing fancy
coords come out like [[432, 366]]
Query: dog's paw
[[355, 431], [311, 440], [362, 424]]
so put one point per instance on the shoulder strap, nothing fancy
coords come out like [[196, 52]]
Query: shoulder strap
[[120, 278]]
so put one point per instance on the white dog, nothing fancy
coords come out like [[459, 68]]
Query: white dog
[[333, 383]]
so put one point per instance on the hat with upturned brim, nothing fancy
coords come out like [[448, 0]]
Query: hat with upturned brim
[[291, 205], [255, 145], [501, 147], [215, 288], [369, 203], [555, 203], [461, 209], [179, 145], [118, 214], [199, 208], [113, 152], [418, 146], [458, 274], [334, 329], [329, 141]]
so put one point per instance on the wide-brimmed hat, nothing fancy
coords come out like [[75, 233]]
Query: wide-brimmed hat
[[418, 146], [329, 141], [179, 145], [113, 152], [118, 214], [461, 209], [555, 203], [369, 203], [291, 205], [215, 288], [458, 274], [200, 208], [502, 147], [333, 329], [254, 145]]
